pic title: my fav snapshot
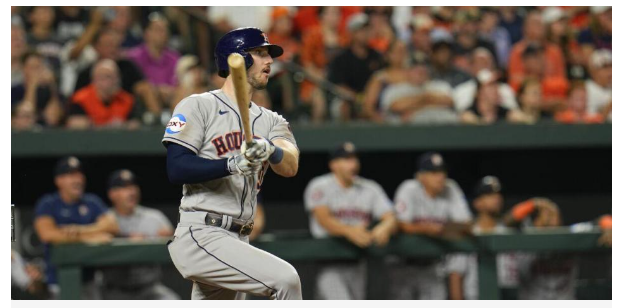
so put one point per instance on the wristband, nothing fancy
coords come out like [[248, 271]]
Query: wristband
[[277, 156]]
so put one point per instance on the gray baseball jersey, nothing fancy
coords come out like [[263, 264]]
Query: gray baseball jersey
[[209, 124], [413, 204], [355, 205], [221, 263]]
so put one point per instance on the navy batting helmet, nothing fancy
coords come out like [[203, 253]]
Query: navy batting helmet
[[241, 40]]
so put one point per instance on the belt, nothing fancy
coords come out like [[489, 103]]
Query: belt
[[217, 220]]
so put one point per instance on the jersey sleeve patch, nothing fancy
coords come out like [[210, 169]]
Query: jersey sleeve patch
[[176, 124]]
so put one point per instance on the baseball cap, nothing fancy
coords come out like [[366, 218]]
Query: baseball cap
[[431, 161], [600, 58], [552, 14], [441, 37], [67, 165], [344, 150], [357, 22], [487, 185], [121, 178]]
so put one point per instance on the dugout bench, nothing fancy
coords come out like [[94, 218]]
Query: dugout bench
[[72, 258]]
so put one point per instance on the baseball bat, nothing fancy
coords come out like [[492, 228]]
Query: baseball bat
[[238, 76]]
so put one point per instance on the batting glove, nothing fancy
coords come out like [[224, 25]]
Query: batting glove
[[259, 150], [239, 164]]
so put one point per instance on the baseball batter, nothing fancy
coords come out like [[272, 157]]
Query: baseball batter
[[221, 177]]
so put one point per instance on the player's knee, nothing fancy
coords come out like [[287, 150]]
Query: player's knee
[[289, 279]]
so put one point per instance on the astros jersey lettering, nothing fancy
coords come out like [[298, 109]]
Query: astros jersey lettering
[[209, 124]]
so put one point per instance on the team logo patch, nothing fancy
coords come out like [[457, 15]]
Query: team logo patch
[[176, 124], [265, 37]]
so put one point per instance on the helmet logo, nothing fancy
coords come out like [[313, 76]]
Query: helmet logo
[[265, 37]]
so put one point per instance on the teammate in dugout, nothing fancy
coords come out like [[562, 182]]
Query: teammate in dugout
[[428, 205], [344, 204], [221, 177]]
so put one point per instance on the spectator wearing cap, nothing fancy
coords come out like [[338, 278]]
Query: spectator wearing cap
[[483, 70], [441, 60], [137, 223], [343, 204], [467, 38], [320, 44], [103, 103], [36, 100], [70, 215], [599, 85], [155, 59], [534, 57], [418, 99], [420, 45], [425, 205], [351, 69], [395, 72]]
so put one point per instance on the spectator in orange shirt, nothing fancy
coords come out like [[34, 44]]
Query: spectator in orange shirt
[[553, 66], [576, 107], [103, 103], [554, 88]]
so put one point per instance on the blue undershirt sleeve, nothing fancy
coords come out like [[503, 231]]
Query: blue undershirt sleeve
[[185, 167]]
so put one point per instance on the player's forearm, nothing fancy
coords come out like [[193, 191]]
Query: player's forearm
[[388, 222], [106, 224], [333, 226], [415, 228], [288, 166]]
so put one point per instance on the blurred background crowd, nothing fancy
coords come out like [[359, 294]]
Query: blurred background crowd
[[126, 67]]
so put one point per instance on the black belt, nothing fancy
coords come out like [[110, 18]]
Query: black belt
[[216, 220]]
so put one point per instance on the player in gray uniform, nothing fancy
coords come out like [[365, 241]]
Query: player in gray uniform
[[488, 203], [137, 223], [341, 203], [423, 205], [221, 177]]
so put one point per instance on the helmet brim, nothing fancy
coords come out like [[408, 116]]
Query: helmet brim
[[274, 51]]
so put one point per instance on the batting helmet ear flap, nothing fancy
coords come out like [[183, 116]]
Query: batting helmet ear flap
[[241, 41]]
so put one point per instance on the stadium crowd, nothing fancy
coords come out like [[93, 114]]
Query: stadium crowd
[[127, 67]]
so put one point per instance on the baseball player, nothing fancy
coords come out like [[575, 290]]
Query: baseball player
[[342, 203], [221, 177], [423, 206], [488, 205]]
